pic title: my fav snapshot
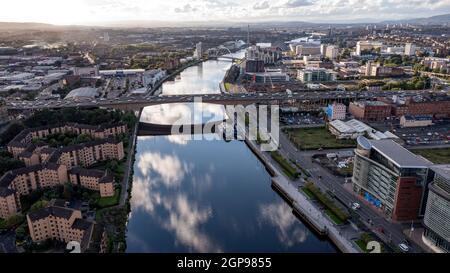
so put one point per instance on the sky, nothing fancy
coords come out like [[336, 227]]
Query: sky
[[64, 12]]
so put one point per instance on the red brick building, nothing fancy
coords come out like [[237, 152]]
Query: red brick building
[[439, 108], [370, 110]]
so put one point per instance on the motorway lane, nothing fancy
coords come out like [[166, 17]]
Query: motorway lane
[[336, 185], [211, 98]]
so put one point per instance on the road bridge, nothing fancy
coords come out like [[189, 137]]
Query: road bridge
[[137, 103]]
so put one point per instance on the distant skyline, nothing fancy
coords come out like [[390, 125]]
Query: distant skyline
[[104, 12]]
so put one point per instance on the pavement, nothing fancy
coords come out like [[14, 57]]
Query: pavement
[[416, 236], [126, 177], [337, 185], [341, 235]]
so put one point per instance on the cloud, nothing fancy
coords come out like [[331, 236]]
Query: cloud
[[298, 3], [186, 9], [279, 215], [168, 168], [177, 213], [263, 5], [90, 11]]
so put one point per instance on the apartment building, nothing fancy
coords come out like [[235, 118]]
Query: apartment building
[[8, 203], [21, 142], [436, 63], [88, 153], [61, 223], [23, 181], [362, 46], [336, 111], [95, 180], [391, 178], [376, 70]]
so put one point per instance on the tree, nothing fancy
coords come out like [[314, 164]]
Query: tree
[[11, 132], [8, 163], [21, 232], [67, 141], [68, 191], [38, 205]]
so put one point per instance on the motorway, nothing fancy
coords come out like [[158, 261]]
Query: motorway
[[338, 186], [223, 98]]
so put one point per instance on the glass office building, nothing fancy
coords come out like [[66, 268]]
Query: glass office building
[[437, 213], [391, 178]]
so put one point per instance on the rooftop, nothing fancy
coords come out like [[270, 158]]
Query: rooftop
[[370, 103], [398, 154], [442, 170], [58, 212], [87, 172], [82, 92]]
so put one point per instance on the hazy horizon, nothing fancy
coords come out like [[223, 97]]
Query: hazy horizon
[[110, 12]]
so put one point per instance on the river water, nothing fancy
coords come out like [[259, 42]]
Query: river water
[[206, 196]]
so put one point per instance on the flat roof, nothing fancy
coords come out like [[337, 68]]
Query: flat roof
[[342, 126], [398, 154], [442, 170]]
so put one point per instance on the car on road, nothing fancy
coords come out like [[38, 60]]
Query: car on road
[[403, 247], [356, 206]]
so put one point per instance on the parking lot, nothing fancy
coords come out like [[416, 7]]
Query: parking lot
[[300, 119], [431, 135]]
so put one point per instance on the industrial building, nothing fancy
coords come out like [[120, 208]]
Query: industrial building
[[416, 121], [370, 110]]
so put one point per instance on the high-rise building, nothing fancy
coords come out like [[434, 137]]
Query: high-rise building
[[391, 178], [331, 52], [198, 54], [410, 49], [437, 214], [270, 55]]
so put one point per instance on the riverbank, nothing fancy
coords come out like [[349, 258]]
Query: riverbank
[[303, 206], [172, 75]]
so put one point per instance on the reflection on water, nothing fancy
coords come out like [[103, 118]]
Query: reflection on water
[[206, 196], [183, 113], [209, 196], [200, 79]]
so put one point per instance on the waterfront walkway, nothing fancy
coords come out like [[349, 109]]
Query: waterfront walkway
[[341, 238]]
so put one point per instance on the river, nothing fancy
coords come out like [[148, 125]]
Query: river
[[193, 195]]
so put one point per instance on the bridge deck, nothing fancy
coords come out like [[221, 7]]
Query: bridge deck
[[223, 98]]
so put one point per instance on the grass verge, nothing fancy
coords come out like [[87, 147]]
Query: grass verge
[[288, 169], [342, 215]]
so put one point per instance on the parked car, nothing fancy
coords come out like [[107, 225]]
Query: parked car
[[403, 247]]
